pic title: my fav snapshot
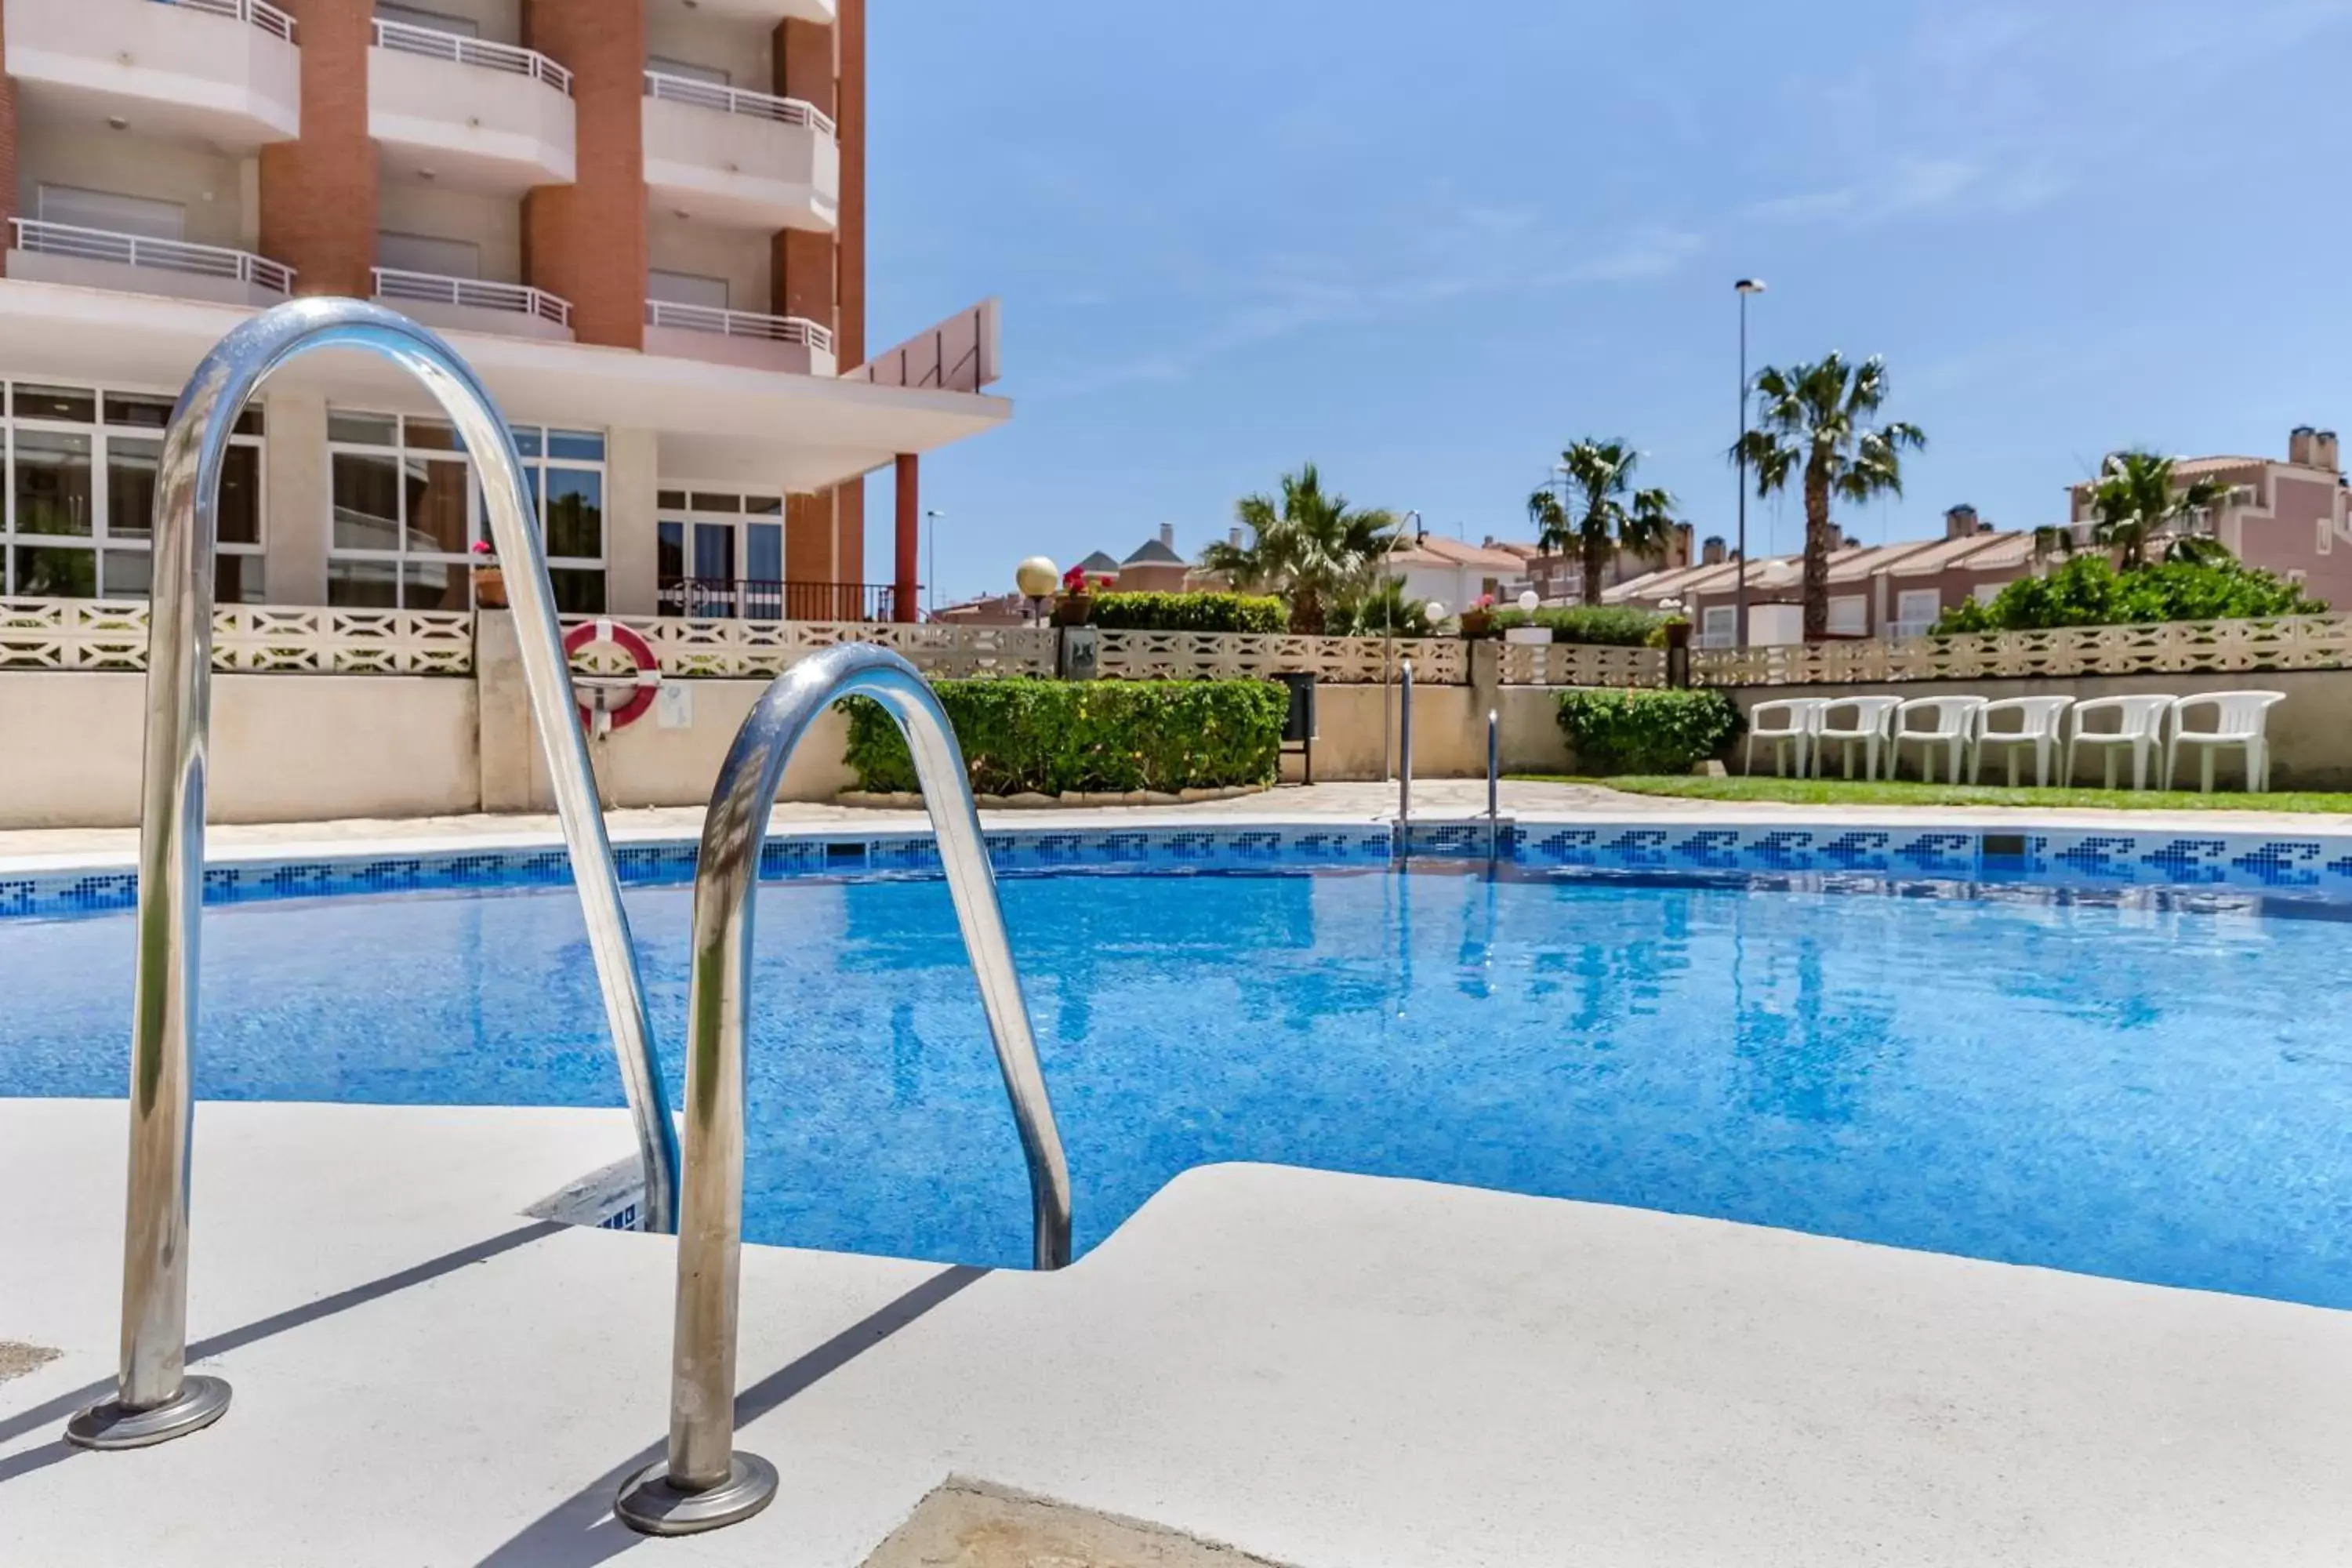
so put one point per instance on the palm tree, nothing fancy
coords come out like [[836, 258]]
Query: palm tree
[[2136, 499], [1602, 521], [1312, 546], [1816, 419]]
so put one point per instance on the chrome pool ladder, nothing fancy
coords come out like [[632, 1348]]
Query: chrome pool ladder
[[155, 1399], [702, 1483]]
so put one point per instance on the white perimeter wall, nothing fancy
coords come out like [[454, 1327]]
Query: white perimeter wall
[[285, 748]]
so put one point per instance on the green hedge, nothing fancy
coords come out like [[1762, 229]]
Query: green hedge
[[1022, 735], [1608, 626], [1189, 613], [1645, 731], [2089, 592]]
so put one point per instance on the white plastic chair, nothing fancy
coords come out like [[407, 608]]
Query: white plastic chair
[[1871, 717], [1799, 715], [2240, 719], [2037, 726], [1934, 721], [2140, 724]]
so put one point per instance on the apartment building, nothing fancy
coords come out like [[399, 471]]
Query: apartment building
[[2290, 516], [643, 222]]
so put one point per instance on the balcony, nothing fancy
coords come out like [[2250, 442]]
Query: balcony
[[470, 305], [469, 113], [96, 258], [788, 343], [225, 71], [722, 598], [743, 159], [771, 12]]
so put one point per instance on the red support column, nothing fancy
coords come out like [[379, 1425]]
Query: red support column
[[910, 517]]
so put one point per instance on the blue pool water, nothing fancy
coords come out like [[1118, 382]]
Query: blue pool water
[[2156, 1094]]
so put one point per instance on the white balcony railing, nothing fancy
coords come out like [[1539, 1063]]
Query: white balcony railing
[[736, 100], [252, 13], [471, 52], [137, 250], [796, 330], [432, 288]]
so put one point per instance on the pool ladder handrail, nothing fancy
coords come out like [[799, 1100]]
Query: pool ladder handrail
[[702, 1483], [155, 1399]]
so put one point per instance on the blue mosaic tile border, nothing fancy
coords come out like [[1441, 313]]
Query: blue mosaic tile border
[[2314, 868], [50, 895], [2064, 857]]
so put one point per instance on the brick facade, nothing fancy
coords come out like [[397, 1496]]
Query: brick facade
[[849, 335], [822, 276], [7, 127], [319, 194], [587, 241]]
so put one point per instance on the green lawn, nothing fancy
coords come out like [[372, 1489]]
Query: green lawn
[[1842, 792]]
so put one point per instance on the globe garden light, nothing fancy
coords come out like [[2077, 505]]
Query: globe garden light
[[1036, 577], [1528, 600], [1436, 611]]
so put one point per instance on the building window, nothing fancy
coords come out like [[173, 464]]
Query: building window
[[2326, 536], [1719, 625], [80, 506], [1849, 615], [1915, 609], [406, 508], [686, 289], [427, 254], [722, 553]]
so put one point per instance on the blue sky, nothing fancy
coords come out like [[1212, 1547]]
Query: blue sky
[[1427, 245]]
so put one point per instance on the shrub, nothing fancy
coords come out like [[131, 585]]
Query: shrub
[[1382, 611], [1190, 613], [1645, 731], [2089, 592], [1049, 736], [1611, 625]]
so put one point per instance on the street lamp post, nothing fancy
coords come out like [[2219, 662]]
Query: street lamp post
[[931, 562], [1745, 286], [1411, 523]]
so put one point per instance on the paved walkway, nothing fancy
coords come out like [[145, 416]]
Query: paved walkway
[[28, 847]]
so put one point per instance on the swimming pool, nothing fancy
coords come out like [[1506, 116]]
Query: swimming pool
[[2154, 1088]]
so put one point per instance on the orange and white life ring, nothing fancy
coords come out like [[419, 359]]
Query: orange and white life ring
[[609, 702]]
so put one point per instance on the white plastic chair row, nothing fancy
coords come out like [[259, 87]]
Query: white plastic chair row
[[1964, 728]]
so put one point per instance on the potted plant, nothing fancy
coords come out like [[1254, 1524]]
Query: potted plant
[[1075, 606], [489, 582], [1479, 619]]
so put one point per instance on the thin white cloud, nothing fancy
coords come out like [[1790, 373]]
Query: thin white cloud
[[1499, 251]]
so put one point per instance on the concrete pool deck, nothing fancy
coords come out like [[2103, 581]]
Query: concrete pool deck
[[1321, 1369], [56, 848]]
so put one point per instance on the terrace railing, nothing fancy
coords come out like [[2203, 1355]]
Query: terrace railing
[[797, 330], [465, 51], [760, 599], [1579, 664], [433, 289], [1340, 661], [252, 13], [730, 647], [2292, 642], [259, 639], [138, 250], [736, 100]]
